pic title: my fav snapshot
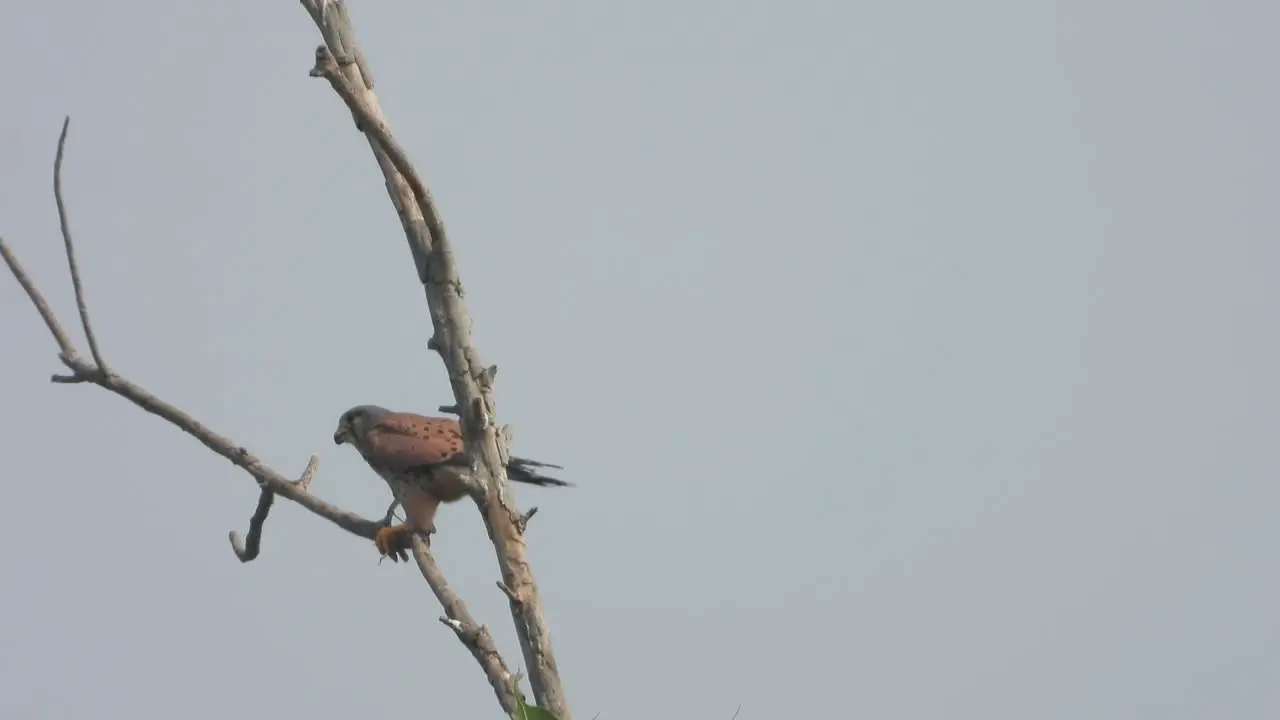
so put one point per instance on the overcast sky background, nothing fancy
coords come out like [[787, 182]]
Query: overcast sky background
[[914, 359]]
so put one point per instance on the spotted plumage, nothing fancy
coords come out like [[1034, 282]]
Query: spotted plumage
[[424, 462]]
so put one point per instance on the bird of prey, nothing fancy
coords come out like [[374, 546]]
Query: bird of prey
[[424, 462]]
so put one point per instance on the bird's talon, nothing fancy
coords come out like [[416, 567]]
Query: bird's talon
[[392, 542]]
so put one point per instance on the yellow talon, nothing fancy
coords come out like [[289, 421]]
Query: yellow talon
[[393, 542]]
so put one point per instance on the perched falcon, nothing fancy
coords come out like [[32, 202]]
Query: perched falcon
[[424, 462]]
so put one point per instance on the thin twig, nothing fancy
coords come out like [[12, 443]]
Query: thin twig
[[81, 305], [65, 348], [248, 547], [511, 594], [523, 521], [304, 481]]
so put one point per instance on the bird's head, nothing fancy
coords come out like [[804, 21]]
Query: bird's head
[[355, 422]]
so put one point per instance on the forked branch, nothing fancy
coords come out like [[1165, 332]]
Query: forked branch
[[339, 62], [474, 636], [268, 479], [247, 548], [270, 482]]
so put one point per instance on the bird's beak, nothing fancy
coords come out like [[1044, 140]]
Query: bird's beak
[[342, 435]]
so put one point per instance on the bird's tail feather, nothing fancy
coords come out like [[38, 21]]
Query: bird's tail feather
[[525, 471]]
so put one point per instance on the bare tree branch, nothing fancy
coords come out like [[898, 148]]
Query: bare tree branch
[[473, 635], [247, 548], [65, 348], [83, 371], [340, 64], [71, 252], [522, 523], [271, 483]]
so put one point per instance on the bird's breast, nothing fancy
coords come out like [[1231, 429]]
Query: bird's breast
[[392, 478]]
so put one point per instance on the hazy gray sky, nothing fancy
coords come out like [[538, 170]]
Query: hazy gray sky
[[915, 360]]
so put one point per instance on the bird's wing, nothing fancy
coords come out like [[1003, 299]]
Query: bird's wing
[[404, 441]]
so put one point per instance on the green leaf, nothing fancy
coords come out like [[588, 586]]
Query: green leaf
[[527, 712], [531, 712]]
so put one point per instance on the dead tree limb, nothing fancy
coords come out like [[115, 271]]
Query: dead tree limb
[[340, 63], [83, 371], [248, 547], [474, 636], [270, 482]]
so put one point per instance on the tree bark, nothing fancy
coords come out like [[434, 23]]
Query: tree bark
[[340, 62]]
